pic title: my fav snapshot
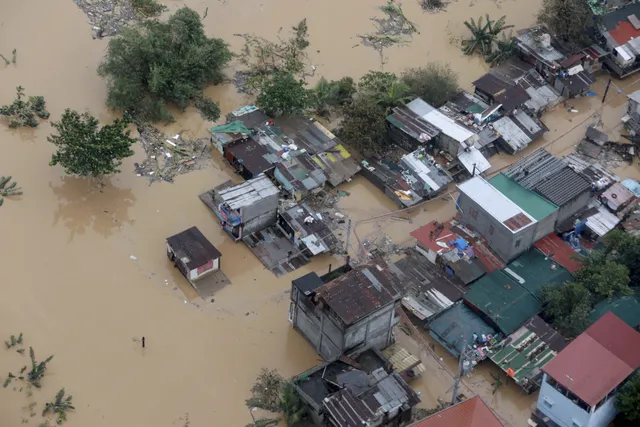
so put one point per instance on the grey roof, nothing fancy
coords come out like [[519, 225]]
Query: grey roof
[[309, 228], [635, 96], [511, 133], [248, 192], [192, 248], [532, 169], [527, 123], [563, 186], [596, 135], [611, 20]]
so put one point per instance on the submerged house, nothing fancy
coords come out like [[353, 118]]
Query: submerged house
[[244, 208], [580, 384], [620, 28], [517, 131], [632, 118], [426, 175], [354, 310], [197, 259], [497, 90], [356, 390], [307, 230]]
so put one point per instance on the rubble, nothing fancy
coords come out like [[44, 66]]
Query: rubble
[[108, 16], [168, 157]]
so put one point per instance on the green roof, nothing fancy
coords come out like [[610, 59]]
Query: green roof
[[626, 308], [233, 127], [522, 356], [509, 297], [532, 203]]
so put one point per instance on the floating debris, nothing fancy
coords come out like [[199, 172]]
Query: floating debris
[[108, 16], [168, 157]]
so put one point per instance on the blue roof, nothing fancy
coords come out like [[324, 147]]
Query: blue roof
[[456, 324]]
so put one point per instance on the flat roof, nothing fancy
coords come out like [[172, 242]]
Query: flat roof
[[559, 251], [532, 203], [447, 125], [474, 161], [513, 217]]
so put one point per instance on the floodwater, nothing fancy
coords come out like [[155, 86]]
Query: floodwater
[[68, 282]]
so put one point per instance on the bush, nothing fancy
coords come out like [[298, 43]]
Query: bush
[[159, 62], [283, 95], [435, 83]]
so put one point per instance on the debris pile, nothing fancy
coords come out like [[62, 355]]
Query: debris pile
[[432, 5], [168, 157], [108, 16]]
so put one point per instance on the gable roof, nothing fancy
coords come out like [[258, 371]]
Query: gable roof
[[361, 291], [598, 360], [436, 118], [192, 248], [470, 413], [532, 203]]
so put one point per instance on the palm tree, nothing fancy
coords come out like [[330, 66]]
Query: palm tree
[[397, 93], [294, 410], [502, 50], [483, 34]]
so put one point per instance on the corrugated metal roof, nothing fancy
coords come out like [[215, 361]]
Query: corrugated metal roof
[[360, 292], [617, 196], [426, 169], [598, 360], [532, 203], [511, 133], [602, 222], [473, 157], [193, 248], [559, 251], [496, 204], [470, 413], [458, 323], [537, 166], [626, 308], [347, 410], [248, 192], [527, 122], [563, 186], [433, 116]]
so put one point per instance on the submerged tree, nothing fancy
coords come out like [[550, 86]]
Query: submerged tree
[[23, 112], [59, 406], [503, 49], [628, 399], [435, 83], [85, 149], [331, 95], [363, 125], [37, 371], [483, 34], [8, 190], [159, 62], [283, 95], [570, 21], [273, 393], [385, 89]]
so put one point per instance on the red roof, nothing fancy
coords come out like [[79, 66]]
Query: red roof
[[572, 60], [470, 413], [598, 360], [559, 251], [425, 237], [624, 32]]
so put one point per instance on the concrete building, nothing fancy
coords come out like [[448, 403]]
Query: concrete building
[[244, 208], [632, 119], [509, 229], [580, 384], [357, 309]]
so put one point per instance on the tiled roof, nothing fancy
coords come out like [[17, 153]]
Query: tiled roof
[[361, 291], [598, 360], [470, 413]]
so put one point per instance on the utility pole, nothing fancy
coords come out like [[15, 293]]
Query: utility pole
[[346, 249], [606, 91], [456, 383]]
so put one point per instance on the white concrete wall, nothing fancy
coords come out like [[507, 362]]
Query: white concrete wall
[[561, 410]]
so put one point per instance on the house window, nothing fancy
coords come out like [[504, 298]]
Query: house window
[[491, 230], [473, 213], [518, 243]]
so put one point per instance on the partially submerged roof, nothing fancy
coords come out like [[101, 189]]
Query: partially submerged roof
[[308, 283], [496, 204], [251, 155], [311, 228], [598, 360], [360, 292], [454, 326], [470, 413], [511, 133], [192, 248], [436, 118], [248, 192], [559, 251], [532, 203]]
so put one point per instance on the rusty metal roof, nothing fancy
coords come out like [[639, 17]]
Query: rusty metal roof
[[361, 291], [559, 251], [470, 413], [598, 360]]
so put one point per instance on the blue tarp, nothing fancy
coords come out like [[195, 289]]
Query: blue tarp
[[632, 185]]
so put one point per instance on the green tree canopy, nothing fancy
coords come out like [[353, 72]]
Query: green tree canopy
[[86, 150], [328, 95], [625, 249], [567, 307], [628, 399], [364, 126], [570, 21], [385, 89], [159, 62], [283, 95], [604, 278], [435, 83]]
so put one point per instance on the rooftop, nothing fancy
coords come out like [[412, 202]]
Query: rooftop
[[511, 133], [529, 40], [310, 228], [474, 161], [457, 324], [532, 203], [598, 360], [496, 204], [249, 115], [602, 221], [308, 283], [559, 251], [192, 248], [617, 196], [412, 124], [626, 308], [300, 172], [470, 413], [563, 187], [436, 118], [360, 292], [527, 350], [503, 92], [620, 25], [426, 169], [248, 192], [251, 155]]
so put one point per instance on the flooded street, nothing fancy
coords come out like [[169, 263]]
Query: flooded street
[[70, 285]]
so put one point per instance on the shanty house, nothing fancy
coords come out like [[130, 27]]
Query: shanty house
[[580, 384], [554, 180], [509, 229], [357, 309], [307, 230], [632, 119], [408, 130], [197, 259], [494, 89], [621, 28], [429, 177], [517, 131], [470, 413], [356, 390], [244, 208]]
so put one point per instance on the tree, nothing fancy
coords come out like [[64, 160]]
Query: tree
[[603, 277], [363, 125], [385, 89], [283, 95], [291, 405], [567, 307], [483, 34], [159, 62], [23, 112], [7, 190], [570, 21], [37, 369], [625, 249], [328, 95], [628, 399], [265, 393], [85, 150], [435, 83], [502, 50], [59, 406]]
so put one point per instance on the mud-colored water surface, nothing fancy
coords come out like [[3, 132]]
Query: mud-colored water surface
[[68, 282]]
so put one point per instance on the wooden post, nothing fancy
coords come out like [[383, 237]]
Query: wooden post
[[606, 91]]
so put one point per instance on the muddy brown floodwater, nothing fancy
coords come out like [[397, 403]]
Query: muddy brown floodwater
[[68, 282]]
